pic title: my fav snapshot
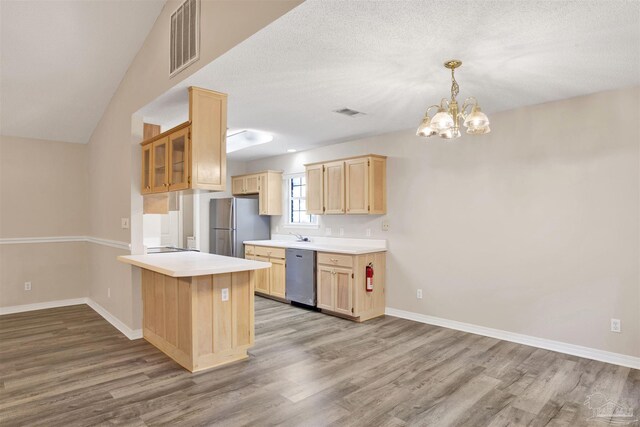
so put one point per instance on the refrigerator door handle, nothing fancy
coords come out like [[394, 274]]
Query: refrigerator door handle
[[232, 215]]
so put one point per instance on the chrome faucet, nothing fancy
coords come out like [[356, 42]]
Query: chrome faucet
[[300, 237]]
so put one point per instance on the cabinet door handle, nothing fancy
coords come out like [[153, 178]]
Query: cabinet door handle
[[147, 187], [334, 260]]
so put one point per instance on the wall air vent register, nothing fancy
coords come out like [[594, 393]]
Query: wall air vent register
[[185, 36]]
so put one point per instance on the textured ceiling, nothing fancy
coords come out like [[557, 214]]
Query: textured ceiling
[[62, 61], [384, 58]]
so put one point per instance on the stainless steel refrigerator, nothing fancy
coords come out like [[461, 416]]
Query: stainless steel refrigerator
[[234, 220]]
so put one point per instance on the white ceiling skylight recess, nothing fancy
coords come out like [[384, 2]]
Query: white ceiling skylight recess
[[240, 139], [185, 36]]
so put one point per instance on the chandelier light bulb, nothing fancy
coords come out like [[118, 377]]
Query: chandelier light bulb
[[477, 119], [450, 133], [425, 128], [442, 121]]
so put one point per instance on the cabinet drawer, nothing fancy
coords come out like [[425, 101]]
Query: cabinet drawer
[[270, 252], [249, 250], [335, 259]]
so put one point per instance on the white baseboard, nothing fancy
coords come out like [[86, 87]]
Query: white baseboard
[[42, 305], [132, 334], [561, 347]]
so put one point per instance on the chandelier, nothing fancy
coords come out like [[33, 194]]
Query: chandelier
[[445, 123]]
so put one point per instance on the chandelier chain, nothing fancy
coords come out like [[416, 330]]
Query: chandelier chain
[[455, 89]]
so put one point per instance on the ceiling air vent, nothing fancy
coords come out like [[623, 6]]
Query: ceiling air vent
[[185, 36], [349, 112]]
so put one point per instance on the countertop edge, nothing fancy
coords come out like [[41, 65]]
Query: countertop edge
[[337, 250], [190, 273]]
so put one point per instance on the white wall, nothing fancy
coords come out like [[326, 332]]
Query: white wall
[[533, 228]]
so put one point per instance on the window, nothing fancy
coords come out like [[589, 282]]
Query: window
[[296, 190]]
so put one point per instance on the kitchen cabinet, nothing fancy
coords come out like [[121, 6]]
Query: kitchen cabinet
[[191, 155], [269, 282], [341, 285], [355, 185], [315, 189], [267, 185]]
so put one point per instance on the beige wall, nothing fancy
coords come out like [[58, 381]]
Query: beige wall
[[44, 188], [533, 228], [113, 151], [43, 193]]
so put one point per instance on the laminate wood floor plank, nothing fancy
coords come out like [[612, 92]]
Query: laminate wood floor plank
[[68, 367]]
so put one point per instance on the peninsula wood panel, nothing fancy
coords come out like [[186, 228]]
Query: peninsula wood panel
[[189, 321]]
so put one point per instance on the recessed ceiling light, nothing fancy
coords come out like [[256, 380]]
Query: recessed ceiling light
[[291, 150]]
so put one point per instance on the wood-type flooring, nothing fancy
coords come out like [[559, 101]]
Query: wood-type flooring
[[69, 367]]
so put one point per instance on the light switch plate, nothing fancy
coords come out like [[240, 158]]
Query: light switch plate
[[124, 223], [225, 294]]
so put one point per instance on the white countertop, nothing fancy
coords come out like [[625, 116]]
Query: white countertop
[[326, 244], [186, 264]]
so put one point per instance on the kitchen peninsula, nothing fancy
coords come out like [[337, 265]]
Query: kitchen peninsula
[[197, 307]]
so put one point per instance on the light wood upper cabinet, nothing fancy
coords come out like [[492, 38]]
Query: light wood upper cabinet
[[146, 169], [178, 160], [334, 188], [267, 185], [315, 189], [355, 185], [191, 155], [160, 171]]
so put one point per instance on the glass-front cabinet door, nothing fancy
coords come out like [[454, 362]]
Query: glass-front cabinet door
[[160, 156], [146, 168], [178, 160]]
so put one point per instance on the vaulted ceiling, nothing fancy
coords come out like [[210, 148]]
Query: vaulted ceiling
[[62, 61], [385, 58]]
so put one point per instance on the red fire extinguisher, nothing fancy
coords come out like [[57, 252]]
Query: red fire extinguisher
[[369, 275]]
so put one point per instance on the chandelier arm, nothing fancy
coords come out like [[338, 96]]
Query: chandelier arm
[[469, 102], [430, 107], [443, 102]]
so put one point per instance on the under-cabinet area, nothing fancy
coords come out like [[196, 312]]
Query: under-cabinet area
[[350, 285]]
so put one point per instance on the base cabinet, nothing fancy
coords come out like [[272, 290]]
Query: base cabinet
[[342, 285], [269, 282], [201, 321]]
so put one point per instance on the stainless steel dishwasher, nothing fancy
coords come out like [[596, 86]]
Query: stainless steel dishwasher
[[301, 276]]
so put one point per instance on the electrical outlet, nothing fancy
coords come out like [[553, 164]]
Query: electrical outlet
[[385, 225], [368, 232], [225, 294], [341, 231], [108, 292], [616, 325], [327, 231], [419, 294], [124, 223], [27, 286]]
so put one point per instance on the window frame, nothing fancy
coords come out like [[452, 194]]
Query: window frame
[[288, 224]]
